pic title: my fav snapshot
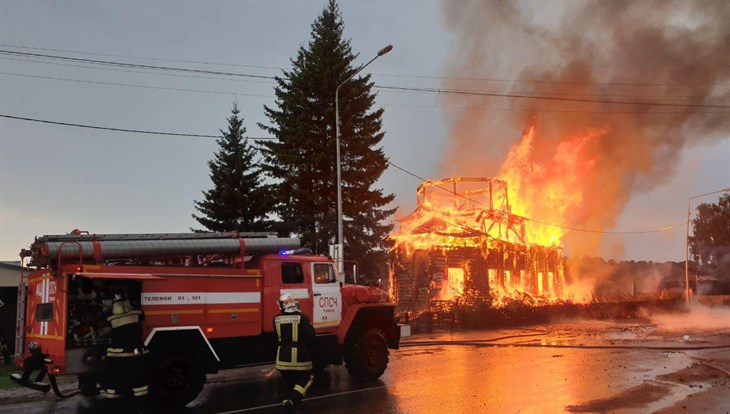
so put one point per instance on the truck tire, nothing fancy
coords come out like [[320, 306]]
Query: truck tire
[[367, 356], [177, 380]]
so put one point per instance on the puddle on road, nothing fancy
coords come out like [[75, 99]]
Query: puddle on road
[[664, 391], [645, 398], [612, 377]]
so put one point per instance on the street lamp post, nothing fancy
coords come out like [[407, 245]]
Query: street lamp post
[[686, 241], [340, 237]]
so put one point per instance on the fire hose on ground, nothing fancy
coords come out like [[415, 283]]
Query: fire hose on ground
[[490, 343], [57, 391]]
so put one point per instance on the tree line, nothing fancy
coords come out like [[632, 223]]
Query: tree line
[[288, 184]]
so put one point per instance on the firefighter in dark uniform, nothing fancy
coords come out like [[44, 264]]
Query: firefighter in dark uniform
[[125, 368], [293, 356]]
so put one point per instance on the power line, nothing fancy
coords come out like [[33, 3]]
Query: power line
[[551, 98], [532, 81], [141, 57], [385, 104], [544, 110], [655, 230], [136, 131], [466, 78], [135, 86], [134, 65], [144, 72], [271, 96], [393, 88], [596, 95]]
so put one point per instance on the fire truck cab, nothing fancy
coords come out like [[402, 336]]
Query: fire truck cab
[[208, 301]]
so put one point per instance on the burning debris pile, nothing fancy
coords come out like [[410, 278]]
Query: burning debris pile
[[464, 245]]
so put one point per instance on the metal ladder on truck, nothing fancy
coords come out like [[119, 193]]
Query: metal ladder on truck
[[20, 316]]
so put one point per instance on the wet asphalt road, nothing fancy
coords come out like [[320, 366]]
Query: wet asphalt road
[[538, 370]]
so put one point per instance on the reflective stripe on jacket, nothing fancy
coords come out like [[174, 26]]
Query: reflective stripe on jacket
[[296, 335]]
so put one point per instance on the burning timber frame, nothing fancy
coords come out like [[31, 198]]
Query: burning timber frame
[[463, 243]]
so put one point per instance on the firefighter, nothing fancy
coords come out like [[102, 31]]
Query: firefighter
[[293, 356], [125, 352]]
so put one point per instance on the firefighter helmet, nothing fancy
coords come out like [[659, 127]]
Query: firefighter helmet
[[34, 348], [288, 303]]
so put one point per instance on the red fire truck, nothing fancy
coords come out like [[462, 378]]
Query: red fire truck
[[208, 300]]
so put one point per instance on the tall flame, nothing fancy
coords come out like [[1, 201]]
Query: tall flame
[[548, 190]]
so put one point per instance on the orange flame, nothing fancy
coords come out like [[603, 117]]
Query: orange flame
[[480, 214], [452, 286], [547, 191]]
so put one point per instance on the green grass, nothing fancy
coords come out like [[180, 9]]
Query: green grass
[[5, 371]]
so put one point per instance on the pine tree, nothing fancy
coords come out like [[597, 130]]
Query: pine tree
[[238, 201], [302, 159]]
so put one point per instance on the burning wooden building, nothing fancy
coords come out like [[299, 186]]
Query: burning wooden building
[[464, 244]]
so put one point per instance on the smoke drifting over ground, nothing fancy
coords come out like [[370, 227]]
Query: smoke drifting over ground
[[699, 318], [584, 160]]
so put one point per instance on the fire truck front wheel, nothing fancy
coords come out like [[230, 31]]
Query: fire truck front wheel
[[367, 355], [177, 380]]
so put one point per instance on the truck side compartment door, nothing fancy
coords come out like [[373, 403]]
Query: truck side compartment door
[[326, 295]]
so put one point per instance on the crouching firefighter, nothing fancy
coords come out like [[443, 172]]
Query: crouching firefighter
[[293, 356], [124, 359]]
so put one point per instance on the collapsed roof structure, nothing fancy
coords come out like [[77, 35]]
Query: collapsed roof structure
[[464, 244]]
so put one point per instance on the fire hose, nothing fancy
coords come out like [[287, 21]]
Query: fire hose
[[39, 386], [57, 391], [487, 343]]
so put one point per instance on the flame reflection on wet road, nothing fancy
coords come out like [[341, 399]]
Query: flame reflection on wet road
[[594, 367], [442, 378]]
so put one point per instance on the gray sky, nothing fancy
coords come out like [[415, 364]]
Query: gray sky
[[54, 179]]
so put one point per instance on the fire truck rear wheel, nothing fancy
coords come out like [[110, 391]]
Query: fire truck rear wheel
[[367, 357], [177, 380]]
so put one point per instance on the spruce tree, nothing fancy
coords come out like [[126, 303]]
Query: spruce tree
[[238, 201], [302, 158]]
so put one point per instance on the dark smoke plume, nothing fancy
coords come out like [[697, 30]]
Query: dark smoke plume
[[667, 51]]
